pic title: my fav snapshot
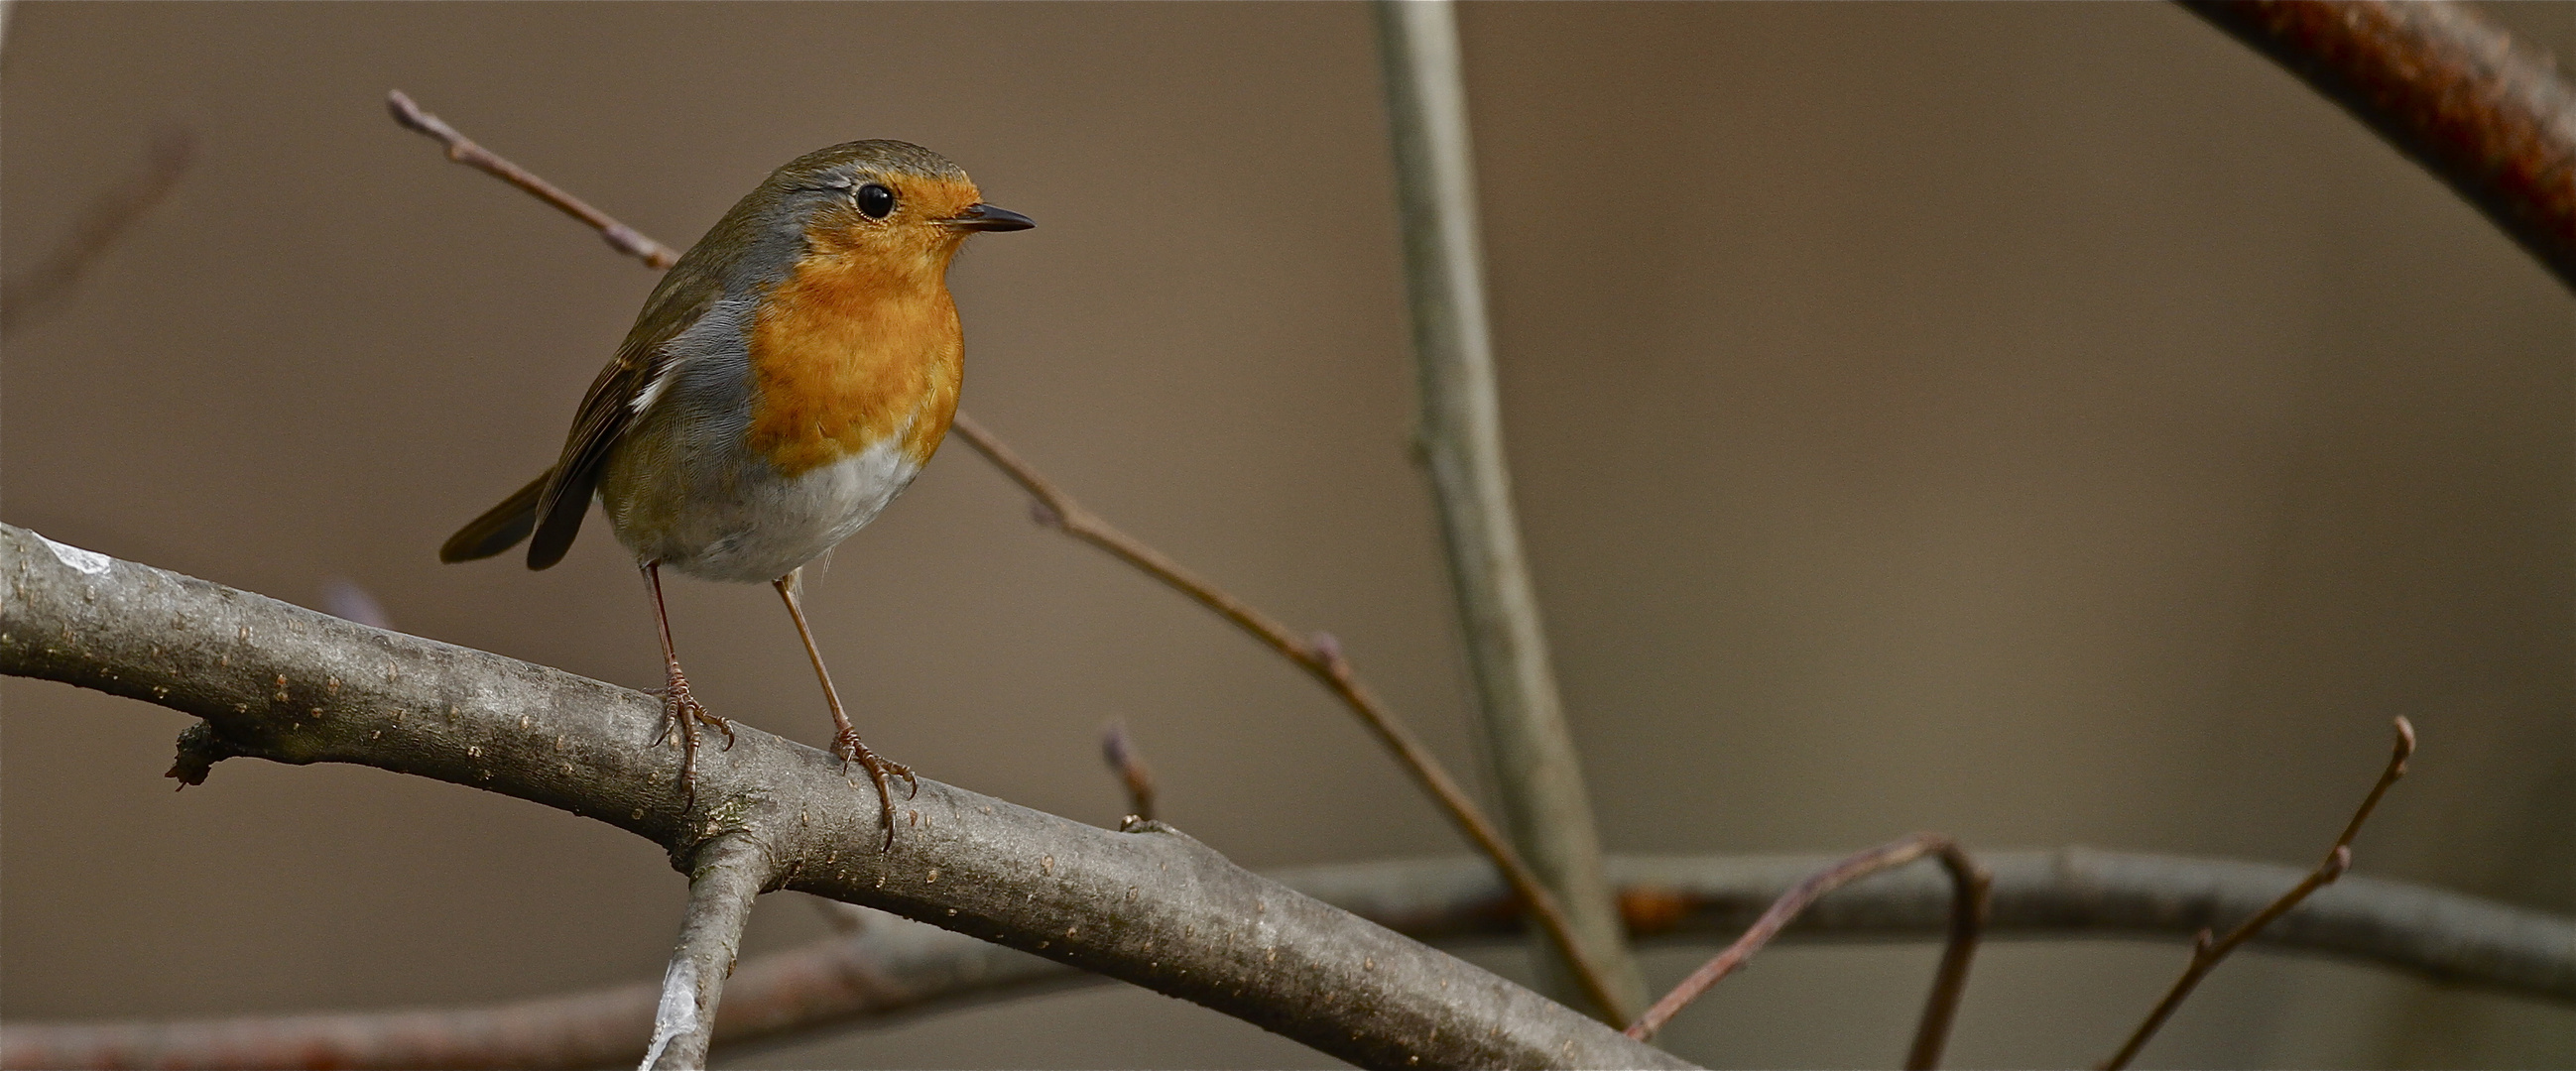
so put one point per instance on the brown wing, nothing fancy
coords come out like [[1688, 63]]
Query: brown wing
[[606, 411]]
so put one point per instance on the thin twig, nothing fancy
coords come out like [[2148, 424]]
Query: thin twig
[[730, 872], [1537, 771], [1120, 753], [1969, 884], [2449, 88], [2206, 953], [107, 218], [1321, 657], [463, 150], [1971, 900]]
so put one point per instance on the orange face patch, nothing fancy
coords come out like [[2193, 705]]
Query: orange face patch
[[860, 342]]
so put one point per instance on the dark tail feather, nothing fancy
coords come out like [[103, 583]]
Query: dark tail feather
[[562, 520], [499, 528]]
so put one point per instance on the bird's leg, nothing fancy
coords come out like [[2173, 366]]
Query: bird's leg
[[679, 709], [845, 738]]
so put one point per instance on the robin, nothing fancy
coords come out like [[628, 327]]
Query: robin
[[791, 374]]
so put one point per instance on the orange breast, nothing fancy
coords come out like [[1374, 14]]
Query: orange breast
[[845, 356]]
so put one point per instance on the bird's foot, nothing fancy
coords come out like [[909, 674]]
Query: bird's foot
[[880, 769], [682, 712]]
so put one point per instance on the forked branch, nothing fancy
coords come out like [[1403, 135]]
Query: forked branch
[[1969, 885]]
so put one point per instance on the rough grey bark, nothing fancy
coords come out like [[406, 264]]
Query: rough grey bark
[[1146, 905], [1535, 766], [727, 874]]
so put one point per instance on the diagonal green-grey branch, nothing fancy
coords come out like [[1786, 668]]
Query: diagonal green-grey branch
[[1536, 769]]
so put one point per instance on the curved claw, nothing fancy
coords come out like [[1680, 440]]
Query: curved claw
[[846, 745], [683, 711], [667, 718]]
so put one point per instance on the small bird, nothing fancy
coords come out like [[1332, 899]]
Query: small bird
[[791, 374]]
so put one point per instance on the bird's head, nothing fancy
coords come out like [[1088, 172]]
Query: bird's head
[[892, 204]]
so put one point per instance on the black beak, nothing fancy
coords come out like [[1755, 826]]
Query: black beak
[[983, 217]]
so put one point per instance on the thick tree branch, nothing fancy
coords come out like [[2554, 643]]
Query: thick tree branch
[[1536, 769], [1143, 904], [2449, 88], [895, 967]]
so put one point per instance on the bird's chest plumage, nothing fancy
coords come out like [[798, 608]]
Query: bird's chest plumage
[[845, 359], [846, 383]]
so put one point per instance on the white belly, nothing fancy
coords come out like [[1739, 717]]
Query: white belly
[[750, 524]]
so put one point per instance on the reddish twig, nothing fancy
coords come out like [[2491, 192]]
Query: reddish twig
[[2449, 88], [463, 150], [1321, 657], [2206, 953], [105, 220], [1969, 885], [1120, 754], [1971, 898]]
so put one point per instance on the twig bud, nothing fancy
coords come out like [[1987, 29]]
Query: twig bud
[[1113, 745], [406, 112], [1120, 754]]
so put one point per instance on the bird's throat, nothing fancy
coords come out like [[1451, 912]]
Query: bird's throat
[[845, 355]]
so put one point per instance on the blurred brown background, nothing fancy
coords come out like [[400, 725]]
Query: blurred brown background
[[2045, 424]]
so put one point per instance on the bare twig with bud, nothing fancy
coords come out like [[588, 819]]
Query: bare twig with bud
[[1120, 753], [2205, 952]]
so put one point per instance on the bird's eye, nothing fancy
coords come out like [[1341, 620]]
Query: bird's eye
[[874, 201]]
